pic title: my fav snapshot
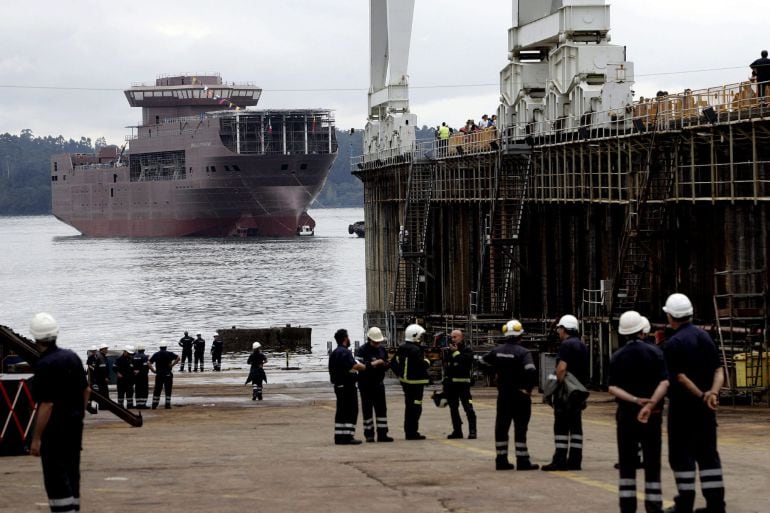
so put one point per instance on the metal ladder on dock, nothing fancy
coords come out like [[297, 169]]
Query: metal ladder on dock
[[409, 293], [645, 218], [501, 232]]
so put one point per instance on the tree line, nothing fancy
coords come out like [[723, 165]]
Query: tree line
[[25, 170]]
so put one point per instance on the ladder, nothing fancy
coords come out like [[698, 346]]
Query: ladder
[[409, 293], [502, 226]]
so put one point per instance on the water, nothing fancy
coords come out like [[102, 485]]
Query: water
[[125, 291]]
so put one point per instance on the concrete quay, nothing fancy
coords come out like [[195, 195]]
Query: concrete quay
[[217, 451]]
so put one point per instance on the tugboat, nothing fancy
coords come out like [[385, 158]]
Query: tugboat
[[305, 231], [357, 228]]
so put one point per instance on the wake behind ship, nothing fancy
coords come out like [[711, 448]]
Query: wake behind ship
[[193, 169]]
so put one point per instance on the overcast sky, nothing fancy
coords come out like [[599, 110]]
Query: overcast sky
[[320, 49]]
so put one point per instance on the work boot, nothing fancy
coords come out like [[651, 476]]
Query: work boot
[[259, 396], [370, 439], [525, 464], [384, 438], [455, 434], [502, 463], [555, 466], [130, 404], [254, 395], [415, 436], [472, 434], [189, 368]]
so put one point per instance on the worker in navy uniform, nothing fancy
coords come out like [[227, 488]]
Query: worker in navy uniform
[[186, 343], [457, 385], [696, 375], [101, 373], [257, 375], [639, 382], [199, 348], [162, 364], [61, 392], [124, 371], [216, 353], [91, 362], [516, 377], [342, 372], [411, 367], [568, 417], [371, 386], [141, 366]]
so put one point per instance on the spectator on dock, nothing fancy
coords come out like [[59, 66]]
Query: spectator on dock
[[162, 364], [761, 68], [568, 415], [124, 371], [216, 353], [342, 372], [516, 377], [199, 348], [141, 365], [371, 386], [186, 343], [257, 375], [639, 382], [457, 385], [61, 392], [696, 376], [101, 373], [484, 122], [493, 121]]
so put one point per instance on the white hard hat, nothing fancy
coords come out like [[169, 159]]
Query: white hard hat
[[104, 345], [43, 326], [163, 344], [256, 345], [93, 348], [568, 322], [630, 322], [129, 349], [513, 328], [375, 334], [647, 327], [140, 347], [678, 306], [413, 333]]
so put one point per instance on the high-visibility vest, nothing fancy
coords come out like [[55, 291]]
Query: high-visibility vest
[[443, 132]]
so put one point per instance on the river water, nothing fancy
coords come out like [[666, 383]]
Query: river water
[[124, 291]]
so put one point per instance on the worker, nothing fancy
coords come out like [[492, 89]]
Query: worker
[[199, 347], [61, 392], [216, 353], [162, 365], [516, 377], [101, 373], [443, 139], [257, 374], [761, 69], [186, 343], [568, 415], [141, 365], [457, 385], [696, 376], [91, 363], [342, 372], [639, 382], [124, 370], [371, 385], [411, 367]]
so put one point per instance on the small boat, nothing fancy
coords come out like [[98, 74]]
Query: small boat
[[305, 231], [357, 228]]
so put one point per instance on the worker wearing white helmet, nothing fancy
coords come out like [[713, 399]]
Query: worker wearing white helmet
[[257, 374], [124, 371], [162, 364], [516, 377], [100, 377], [374, 408], [411, 367], [696, 376], [140, 363], [60, 390], [568, 417], [639, 382]]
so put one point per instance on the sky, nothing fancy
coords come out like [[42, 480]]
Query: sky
[[64, 65]]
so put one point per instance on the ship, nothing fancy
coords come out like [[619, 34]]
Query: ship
[[203, 162]]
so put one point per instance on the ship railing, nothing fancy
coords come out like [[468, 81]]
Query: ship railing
[[90, 167]]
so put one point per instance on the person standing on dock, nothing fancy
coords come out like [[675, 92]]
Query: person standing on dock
[[443, 139], [186, 343], [457, 385], [141, 365], [568, 416], [162, 364], [101, 373], [199, 346], [124, 370], [371, 386], [61, 392], [411, 367], [516, 377], [639, 382], [696, 376], [257, 374], [342, 372], [761, 67], [216, 353]]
